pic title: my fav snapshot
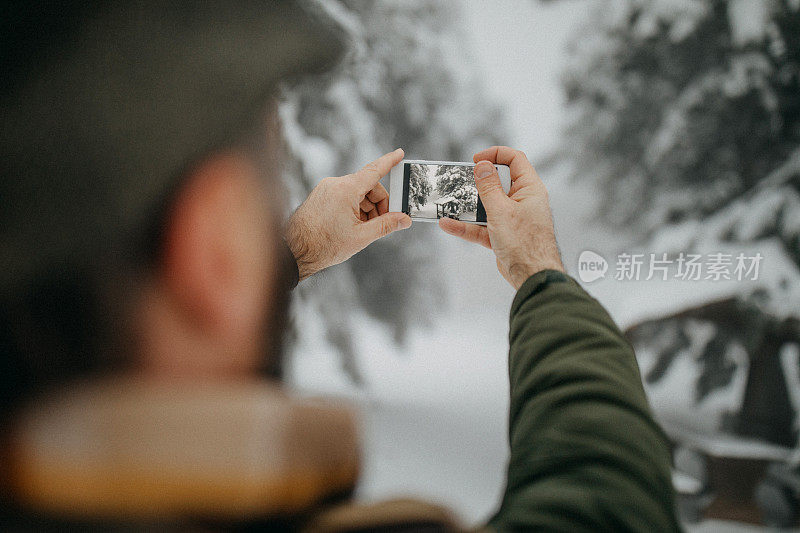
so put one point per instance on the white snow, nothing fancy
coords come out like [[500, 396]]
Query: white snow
[[748, 19], [683, 409]]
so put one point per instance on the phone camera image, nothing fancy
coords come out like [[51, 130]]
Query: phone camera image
[[434, 191]]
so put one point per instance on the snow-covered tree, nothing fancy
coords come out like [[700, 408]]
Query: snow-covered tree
[[687, 115], [407, 82], [419, 188], [457, 182], [682, 107]]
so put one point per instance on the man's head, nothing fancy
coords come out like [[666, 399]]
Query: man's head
[[141, 214]]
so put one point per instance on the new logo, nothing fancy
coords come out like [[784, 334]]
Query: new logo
[[591, 266]]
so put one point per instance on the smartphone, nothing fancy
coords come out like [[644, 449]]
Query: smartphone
[[430, 190]]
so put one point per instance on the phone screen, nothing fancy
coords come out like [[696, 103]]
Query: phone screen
[[432, 191]]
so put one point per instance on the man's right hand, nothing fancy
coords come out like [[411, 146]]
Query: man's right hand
[[342, 216], [519, 225]]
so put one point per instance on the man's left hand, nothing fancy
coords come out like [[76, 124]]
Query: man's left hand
[[342, 216]]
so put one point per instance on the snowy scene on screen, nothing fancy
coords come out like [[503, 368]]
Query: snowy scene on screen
[[438, 191]]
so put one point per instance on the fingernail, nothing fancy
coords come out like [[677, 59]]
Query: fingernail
[[404, 223], [484, 170]]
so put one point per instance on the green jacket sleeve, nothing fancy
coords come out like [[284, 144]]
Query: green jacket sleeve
[[586, 454]]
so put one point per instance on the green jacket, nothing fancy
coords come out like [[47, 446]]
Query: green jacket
[[586, 454]]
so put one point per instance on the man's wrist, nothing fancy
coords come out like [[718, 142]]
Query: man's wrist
[[295, 240], [304, 267], [520, 272], [293, 271]]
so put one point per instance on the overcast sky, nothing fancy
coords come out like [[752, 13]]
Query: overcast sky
[[521, 45]]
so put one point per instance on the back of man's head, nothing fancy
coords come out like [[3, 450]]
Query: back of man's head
[[104, 105]]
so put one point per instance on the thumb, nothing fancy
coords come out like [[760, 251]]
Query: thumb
[[489, 188], [385, 224]]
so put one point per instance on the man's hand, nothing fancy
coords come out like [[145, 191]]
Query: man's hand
[[519, 225], [342, 216]]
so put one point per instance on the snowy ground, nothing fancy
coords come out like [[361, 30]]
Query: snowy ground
[[434, 411], [428, 209], [471, 216]]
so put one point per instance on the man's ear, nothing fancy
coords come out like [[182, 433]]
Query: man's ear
[[217, 257]]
